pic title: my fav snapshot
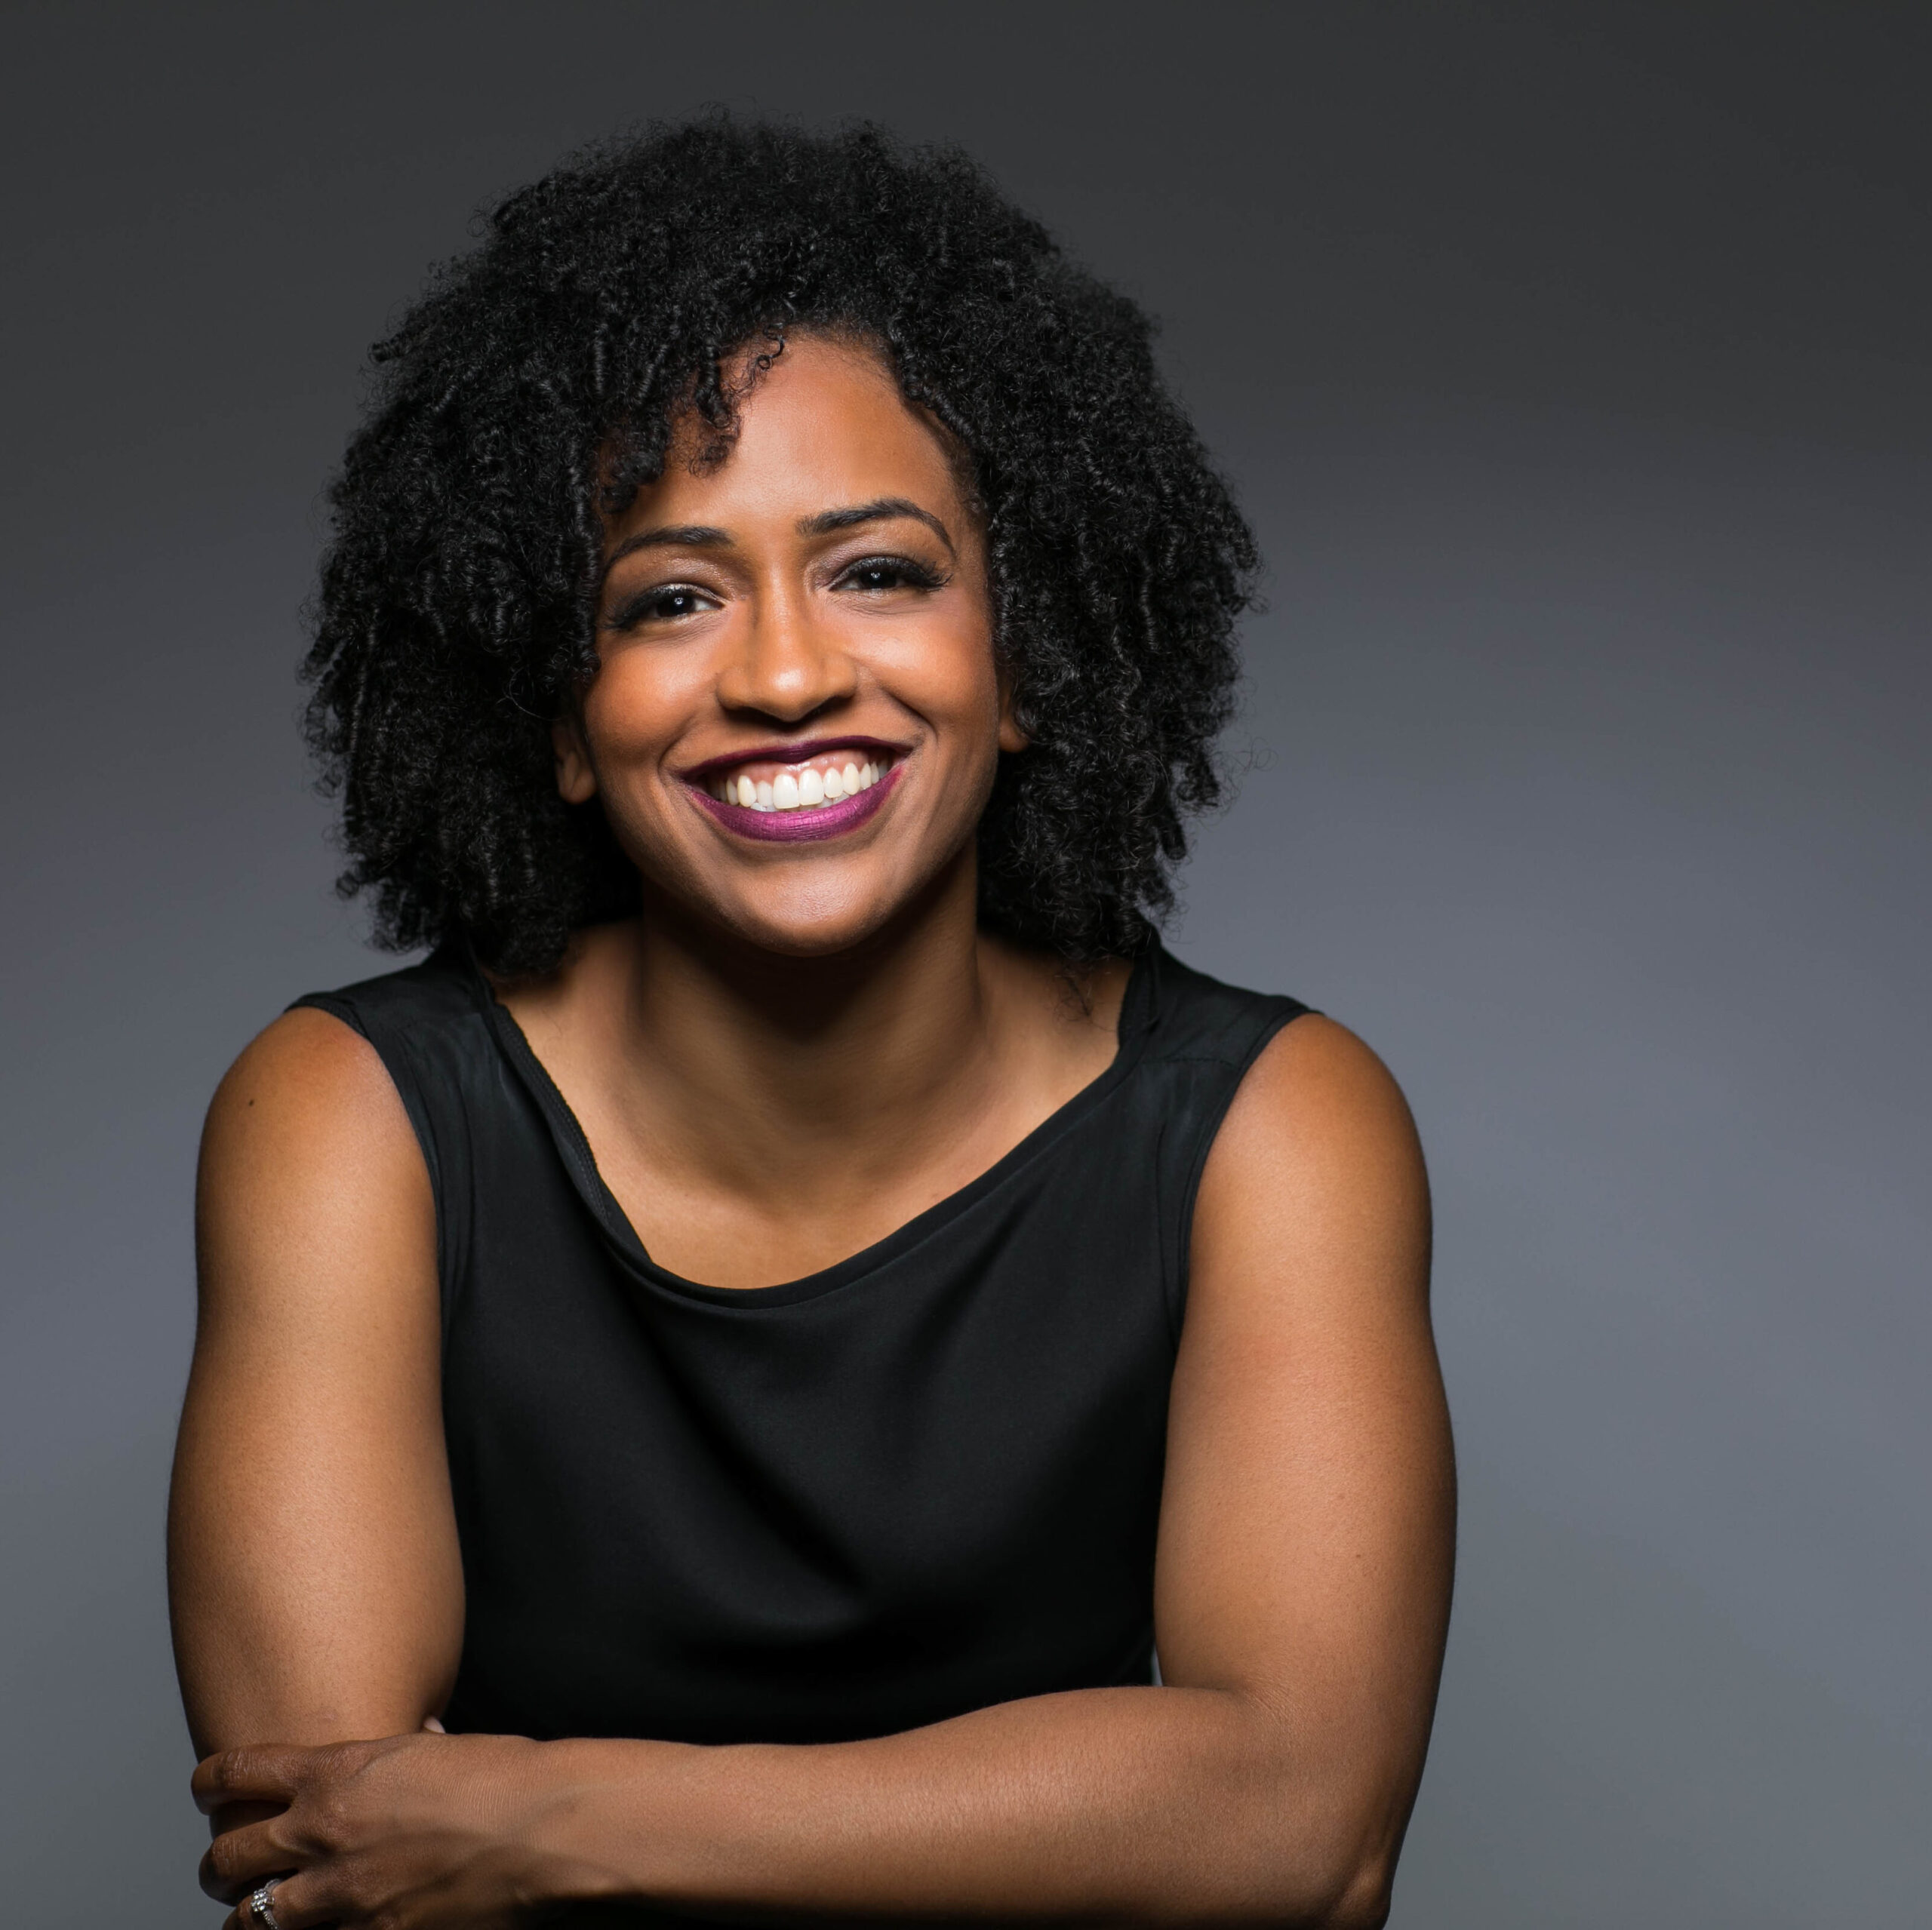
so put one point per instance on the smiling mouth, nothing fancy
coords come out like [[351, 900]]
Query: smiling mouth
[[766, 784], [790, 800]]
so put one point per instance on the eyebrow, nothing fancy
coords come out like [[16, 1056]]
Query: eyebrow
[[680, 536], [881, 509]]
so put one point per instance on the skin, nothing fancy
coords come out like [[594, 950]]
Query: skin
[[797, 1048]]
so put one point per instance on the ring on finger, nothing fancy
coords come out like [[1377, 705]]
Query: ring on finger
[[261, 1906]]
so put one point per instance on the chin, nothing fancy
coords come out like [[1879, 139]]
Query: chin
[[815, 909], [815, 930]]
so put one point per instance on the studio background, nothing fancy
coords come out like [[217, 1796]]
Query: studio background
[[1573, 364]]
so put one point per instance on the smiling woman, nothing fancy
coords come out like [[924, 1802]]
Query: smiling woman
[[713, 1388]]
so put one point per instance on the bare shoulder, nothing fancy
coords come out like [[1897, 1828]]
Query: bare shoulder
[[309, 1167], [1317, 1163], [307, 1063], [1317, 1085]]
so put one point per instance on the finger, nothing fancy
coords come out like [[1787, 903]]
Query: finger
[[242, 1918], [266, 1773], [238, 1815], [300, 1904], [434, 1728], [238, 1859]]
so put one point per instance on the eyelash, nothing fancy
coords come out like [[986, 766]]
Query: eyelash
[[917, 575], [638, 609], [641, 608]]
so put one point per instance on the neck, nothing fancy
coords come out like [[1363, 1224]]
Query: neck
[[727, 1020], [798, 1075]]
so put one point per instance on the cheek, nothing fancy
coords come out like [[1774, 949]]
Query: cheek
[[973, 691], [946, 673], [635, 710]]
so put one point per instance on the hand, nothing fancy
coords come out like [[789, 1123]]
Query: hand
[[422, 1832]]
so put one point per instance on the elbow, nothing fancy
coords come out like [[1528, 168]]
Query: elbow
[[1345, 1883], [1302, 1899], [1348, 1894], [1357, 1899], [1361, 1900], [1354, 1871], [1301, 1839]]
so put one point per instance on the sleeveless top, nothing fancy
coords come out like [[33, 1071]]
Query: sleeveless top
[[922, 1481]]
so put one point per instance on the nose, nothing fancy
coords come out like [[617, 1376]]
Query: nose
[[786, 663]]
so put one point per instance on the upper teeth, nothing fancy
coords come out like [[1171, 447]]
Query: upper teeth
[[799, 787]]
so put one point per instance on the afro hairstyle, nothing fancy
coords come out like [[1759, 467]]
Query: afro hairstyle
[[535, 388]]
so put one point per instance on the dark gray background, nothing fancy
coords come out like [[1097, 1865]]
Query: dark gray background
[[1573, 362]]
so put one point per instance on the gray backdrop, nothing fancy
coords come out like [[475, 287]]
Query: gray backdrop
[[1573, 363]]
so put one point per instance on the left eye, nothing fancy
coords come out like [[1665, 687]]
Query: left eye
[[888, 572], [674, 601], [665, 603]]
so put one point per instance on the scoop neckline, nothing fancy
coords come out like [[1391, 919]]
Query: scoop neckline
[[1138, 1012]]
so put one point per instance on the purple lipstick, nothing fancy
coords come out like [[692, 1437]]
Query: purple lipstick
[[808, 823]]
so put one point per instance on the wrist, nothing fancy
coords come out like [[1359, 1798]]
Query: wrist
[[594, 1828]]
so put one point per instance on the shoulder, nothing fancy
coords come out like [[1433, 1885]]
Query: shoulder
[[367, 1057], [1317, 1085], [443, 992], [1318, 1159], [1194, 1017], [309, 1167], [305, 1074], [310, 1075]]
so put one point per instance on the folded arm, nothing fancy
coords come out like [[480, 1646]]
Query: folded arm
[[1302, 1589]]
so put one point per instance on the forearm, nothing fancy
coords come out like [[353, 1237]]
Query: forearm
[[1133, 1805]]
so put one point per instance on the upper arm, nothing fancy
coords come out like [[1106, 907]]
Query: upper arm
[[1307, 1529], [314, 1576]]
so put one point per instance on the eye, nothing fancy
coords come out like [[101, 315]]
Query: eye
[[879, 574], [663, 603]]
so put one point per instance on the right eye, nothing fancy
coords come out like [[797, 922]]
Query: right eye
[[663, 603]]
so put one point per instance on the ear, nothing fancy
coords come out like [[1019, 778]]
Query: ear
[[577, 776]]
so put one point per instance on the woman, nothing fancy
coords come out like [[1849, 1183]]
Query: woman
[[712, 1389]]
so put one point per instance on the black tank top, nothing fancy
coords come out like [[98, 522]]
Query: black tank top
[[922, 1481]]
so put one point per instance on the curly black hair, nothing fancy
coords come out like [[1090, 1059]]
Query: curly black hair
[[533, 391]]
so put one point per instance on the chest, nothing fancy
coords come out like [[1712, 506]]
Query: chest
[[926, 1480]]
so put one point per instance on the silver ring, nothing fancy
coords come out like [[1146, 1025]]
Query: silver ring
[[261, 1905]]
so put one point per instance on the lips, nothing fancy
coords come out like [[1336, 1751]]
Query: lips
[[807, 825]]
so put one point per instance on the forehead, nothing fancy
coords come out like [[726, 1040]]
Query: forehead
[[823, 427]]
